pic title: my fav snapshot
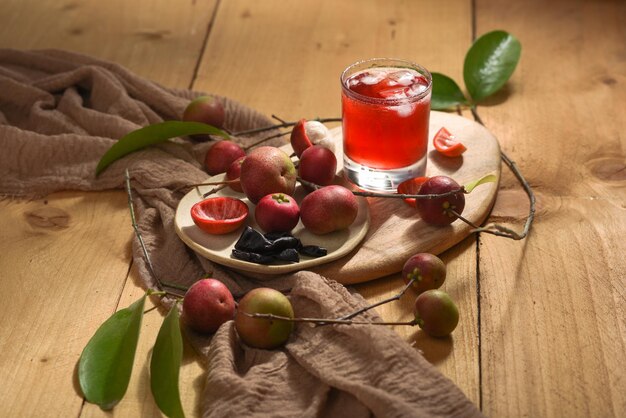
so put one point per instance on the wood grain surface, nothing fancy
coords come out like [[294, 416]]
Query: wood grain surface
[[543, 321]]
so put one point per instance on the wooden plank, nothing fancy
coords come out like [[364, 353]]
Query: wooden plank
[[553, 314], [158, 39], [63, 266]]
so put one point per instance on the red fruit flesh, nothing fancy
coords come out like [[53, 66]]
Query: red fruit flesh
[[219, 215], [446, 144], [411, 186], [207, 305], [299, 139], [436, 211]]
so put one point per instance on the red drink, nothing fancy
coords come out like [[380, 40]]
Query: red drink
[[385, 122]]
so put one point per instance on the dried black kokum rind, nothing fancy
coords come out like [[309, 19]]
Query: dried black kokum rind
[[284, 243], [255, 247], [289, 254], [252, 257], [312, 251], [252, 240]]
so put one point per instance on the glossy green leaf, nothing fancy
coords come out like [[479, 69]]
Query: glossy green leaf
[[151, 135], [165, 366], [489, 178], [490, 62], [106, 363], [446, 93]]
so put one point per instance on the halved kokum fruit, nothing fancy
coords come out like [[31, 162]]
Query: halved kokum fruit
[[219, 215]]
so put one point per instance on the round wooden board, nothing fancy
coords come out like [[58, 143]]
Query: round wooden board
[[396, 232]]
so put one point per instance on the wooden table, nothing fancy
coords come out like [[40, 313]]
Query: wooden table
[[543, 326]]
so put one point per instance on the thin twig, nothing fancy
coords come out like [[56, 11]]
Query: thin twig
[[382, 302], [212, 191], [278, 119], [500, 230], [282, 125], [160, 284], [259, 142], [389, 195], [322, 321], [211, 183]]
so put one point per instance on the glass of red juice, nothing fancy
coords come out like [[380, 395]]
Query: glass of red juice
[[385, 110]]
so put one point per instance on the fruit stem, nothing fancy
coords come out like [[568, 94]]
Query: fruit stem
[[382, 302], [322, 321], [260, 141], [278, 119], [500, 230], [160, 284], [390, 195], [212, 191], [211, 183], [282, 125]]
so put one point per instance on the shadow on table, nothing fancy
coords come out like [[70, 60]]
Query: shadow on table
[[435, 350]]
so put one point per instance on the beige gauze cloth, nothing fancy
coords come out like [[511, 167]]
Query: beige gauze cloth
[[59, 113]]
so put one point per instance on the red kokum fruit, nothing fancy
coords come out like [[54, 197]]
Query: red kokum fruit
[[233, 173], [221, 155], [277, 212], [426, 270], [267, 170], [219, 215], [328, 209], [264, 333], [207, 305], [205, 109], [299, 139], [318, 165], [436, 313], [436, 211]]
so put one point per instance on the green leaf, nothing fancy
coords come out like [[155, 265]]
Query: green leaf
[[489, 178], [446, 93], [490, 62], [165, 366], [106, 363], [151, 135]]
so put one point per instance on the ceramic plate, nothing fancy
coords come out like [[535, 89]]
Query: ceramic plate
[[218, 248]]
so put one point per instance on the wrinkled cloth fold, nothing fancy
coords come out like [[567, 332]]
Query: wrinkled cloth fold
[[59, 113]]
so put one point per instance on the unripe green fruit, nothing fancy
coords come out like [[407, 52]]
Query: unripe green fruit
[[264, 333], [436, 313]]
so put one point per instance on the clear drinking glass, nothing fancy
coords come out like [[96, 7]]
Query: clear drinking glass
[[385, 109]]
